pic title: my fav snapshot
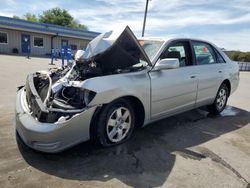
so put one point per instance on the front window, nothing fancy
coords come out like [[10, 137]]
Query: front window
[[38, 42], [151, 47], [178, 50], [73, 47], [3, 38]]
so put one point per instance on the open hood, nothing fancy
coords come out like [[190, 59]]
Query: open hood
[[115, 50], [59, 93]]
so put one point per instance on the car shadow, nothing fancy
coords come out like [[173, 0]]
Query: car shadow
[[147, 159]]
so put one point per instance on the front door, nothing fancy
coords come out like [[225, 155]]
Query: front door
[[174, 90], [25, 43], [64, 43]]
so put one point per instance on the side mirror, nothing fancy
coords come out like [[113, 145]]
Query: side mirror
[[168, 63]]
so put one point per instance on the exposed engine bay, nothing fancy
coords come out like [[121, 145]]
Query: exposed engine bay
[[58, 94]]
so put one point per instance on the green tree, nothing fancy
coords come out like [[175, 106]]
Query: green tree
[[234, 56], [30, 17], [239, 56], [75, 24], [247, 59], [61, 17], [55, 16], [17, 17]]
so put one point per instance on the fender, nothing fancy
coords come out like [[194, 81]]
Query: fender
[[109, 88]]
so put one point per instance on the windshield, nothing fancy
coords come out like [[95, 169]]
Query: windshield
[[151, 47]]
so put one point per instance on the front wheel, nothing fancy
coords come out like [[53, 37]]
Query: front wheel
[[220, 101], [115, 124]]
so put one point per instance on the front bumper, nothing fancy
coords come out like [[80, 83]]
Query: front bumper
[[51, 137]]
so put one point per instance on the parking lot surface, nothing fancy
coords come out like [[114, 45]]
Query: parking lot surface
[[192, 149]]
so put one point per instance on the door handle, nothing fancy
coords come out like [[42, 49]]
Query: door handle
[[193, 76]]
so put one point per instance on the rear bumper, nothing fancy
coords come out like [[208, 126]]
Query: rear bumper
[[51, 137]]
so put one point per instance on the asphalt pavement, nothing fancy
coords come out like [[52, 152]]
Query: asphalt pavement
[[192, 149]]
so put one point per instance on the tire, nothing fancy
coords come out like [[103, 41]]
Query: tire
[[114, 125], [220, 101]]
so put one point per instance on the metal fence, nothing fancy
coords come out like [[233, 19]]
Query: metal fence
[[244, 66]]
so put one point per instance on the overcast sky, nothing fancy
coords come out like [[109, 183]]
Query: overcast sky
[[223, 22]]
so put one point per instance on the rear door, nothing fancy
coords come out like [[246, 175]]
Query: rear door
[[174, 90], [209, 70]]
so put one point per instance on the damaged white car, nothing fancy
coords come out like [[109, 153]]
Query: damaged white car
[[120, 83]]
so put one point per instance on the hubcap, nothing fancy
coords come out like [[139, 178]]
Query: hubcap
[[221, 99], [118, 124]]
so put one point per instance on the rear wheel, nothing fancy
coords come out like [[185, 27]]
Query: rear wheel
[[220, 101], [115, 124]]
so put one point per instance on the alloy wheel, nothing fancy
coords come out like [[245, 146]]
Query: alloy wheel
[[221, 98], [118, 124]]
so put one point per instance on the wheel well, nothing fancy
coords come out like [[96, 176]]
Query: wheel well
[[138, 108], [227, 82]]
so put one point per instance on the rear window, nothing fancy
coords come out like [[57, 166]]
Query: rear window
[[220, 59], [204, 54]]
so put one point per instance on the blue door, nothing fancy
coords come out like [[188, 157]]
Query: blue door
[[25, 43], [64, 43], [64, 46]]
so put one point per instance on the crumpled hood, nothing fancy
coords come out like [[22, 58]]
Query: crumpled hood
[[114, 50]]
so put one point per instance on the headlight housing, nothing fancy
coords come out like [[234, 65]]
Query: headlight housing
[[88, 96], [69, 98]]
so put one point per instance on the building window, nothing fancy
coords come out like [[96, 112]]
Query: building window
[[38, 42], [73, 47], [83, 45], [3, 38]]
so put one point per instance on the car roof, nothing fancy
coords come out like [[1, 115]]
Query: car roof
[[153, 38], [171, 39], [166, 41]]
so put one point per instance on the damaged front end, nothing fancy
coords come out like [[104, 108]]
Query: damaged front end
[[48, 105], [59, 94]]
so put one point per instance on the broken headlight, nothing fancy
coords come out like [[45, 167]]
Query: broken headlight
[[88, 96], [70, 98]]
